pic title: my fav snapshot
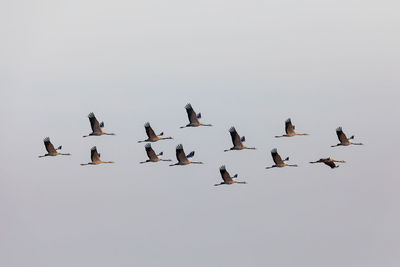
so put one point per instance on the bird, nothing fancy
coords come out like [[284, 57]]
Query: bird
[[96, 126], [279, 163], [237, 141], [152, 137], [344, 141], [227, 178], [153, 157], [95, 157], [329, 161], [51, 151], [193, 118], [182, 158], [289, 129]]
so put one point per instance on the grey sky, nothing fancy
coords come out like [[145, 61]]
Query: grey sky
[[248, 64]]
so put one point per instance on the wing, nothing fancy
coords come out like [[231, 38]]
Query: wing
[[94, 123], [94, 155], [49, 146], [342, 137], [150, 152], [289, 128], [149, 131], [180, 154], [330, 164], [275, 156], [225, 174], [235, 137], [192, 116]]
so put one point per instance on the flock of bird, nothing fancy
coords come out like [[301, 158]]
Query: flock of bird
[[183, 159]]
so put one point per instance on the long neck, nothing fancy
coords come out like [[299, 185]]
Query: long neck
[[302, 134], [45, 155]]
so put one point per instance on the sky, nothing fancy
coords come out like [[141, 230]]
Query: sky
[[248, 64]]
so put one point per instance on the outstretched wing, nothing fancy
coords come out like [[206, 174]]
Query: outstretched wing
[[94, 155], [192, 116], [149, 131], [94, 123], [235, 137], [225, 174], [275, 156], [330, 163], [342, 137], [180, 154], [289, 127], [49, 146], [150, 152]]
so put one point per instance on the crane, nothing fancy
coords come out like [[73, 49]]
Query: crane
[[227, 178], [153, 157], [329, 161], [237, 141], [95, 157], [51, 151], [97, 128], [344, 141], [182, 158], [289, 129], [279, 163], [152, 137], [193, 118]]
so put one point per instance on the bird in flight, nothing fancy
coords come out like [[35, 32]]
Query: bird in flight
[[227, 178], [289, 129], [153, 157], [237, 141], [329, 161], [152, 137], [97, 128], [344, 141], [51, 151], [182, 158], [279, 163], [194, 119], [95, 157]]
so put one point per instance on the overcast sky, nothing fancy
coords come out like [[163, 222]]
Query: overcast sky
[[248, 64]]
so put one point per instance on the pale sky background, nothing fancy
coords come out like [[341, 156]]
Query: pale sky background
[[248, 64]]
